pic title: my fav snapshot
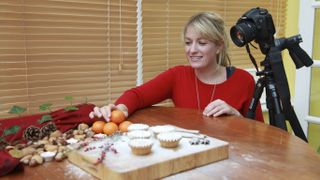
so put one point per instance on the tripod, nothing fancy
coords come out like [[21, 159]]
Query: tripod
[[273, 79]]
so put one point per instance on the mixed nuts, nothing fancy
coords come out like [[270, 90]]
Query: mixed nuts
[[52, 146]]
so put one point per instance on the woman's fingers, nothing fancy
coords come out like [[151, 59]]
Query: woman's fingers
[[91, 115], [219, 107], [104, 112], [218, 110], [215, 112], [211, 107], [97, 112]]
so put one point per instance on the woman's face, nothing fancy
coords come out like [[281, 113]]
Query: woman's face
[[200, 52]]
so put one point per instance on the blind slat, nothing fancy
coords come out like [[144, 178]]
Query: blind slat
[[50, 49]]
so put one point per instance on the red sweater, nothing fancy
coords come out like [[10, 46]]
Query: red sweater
[[178, 84]]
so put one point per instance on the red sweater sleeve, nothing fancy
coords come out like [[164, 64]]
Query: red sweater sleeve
[[151, 92]]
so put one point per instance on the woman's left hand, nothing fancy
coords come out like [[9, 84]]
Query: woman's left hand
[[219, 107]]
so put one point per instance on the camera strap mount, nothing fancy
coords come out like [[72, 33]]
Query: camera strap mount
[[251, 57]]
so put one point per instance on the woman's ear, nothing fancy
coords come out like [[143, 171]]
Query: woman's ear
[[220, 47]]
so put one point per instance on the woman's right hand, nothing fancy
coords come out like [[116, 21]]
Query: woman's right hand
[[105, 111]]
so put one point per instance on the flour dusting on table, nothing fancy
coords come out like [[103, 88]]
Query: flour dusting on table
[[74, 171]]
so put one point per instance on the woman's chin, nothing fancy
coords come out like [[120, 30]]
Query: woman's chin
[[196, 66]]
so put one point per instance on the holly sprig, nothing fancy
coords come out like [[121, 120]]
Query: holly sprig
[[11, 130], [86, 100], [46, 117], [71, 107], [45, 107], [17, 110]]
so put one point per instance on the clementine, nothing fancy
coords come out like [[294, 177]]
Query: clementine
[[110, 128], [97, 126], [123, 127], [117, 116]]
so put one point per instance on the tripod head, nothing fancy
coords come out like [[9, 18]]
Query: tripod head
[[297, 54]]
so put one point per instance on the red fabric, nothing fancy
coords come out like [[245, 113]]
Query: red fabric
[[64, 120], [8, 163], [178, 84]]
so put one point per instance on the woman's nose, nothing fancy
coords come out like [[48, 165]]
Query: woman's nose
[[193, 47]]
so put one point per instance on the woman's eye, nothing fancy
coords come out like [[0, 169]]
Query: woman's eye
[[202, 43], [187, 43]]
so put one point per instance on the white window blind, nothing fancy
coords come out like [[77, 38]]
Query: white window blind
[[56, 48]]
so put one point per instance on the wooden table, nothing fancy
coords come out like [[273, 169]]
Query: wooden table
[[256, 151]]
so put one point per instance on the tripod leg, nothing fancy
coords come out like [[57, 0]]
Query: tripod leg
[[294, 122], [277, 118], [255, 99], [270, 108], [283, 90]]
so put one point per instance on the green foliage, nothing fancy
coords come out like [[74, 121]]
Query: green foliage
[[17, 110], [71, 107], [69, 98], [11, 130], [45, 118], [318, 150], [44, 107]]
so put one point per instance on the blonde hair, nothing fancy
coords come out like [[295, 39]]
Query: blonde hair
[[211, 26]]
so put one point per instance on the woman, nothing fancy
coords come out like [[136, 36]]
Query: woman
[[208, 84]]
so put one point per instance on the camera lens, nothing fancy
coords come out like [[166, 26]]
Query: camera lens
[[242, 33]]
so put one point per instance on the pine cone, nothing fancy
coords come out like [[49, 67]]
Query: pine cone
[[32, 133], [48, 129]]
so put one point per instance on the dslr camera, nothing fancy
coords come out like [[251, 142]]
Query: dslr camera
[[256, 24]]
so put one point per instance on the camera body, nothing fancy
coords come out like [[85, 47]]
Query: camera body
[[256, 24]]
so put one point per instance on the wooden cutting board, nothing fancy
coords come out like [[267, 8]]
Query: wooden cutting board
[[159, 163]]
